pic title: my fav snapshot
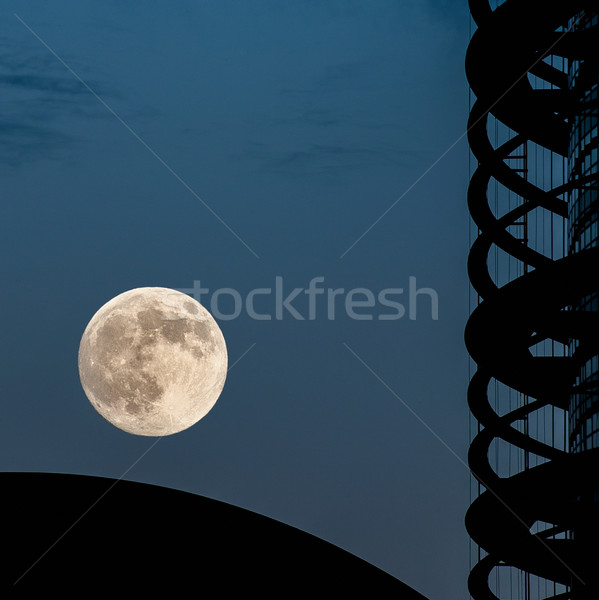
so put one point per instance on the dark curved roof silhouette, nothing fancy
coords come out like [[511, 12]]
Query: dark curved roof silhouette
[[141, 537]]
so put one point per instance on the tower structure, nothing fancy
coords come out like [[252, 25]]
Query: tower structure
[[534, 268]]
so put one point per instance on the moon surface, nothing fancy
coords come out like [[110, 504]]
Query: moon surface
[[152, 361]]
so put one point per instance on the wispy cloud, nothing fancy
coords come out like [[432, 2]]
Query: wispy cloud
[[337, 119], [37, 99]]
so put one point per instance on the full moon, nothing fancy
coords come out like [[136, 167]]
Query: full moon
[[152, 361]]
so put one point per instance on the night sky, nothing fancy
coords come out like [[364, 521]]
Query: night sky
[[236, 144]]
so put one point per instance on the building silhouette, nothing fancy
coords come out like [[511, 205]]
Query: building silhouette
[[533, 333], [81, 536]]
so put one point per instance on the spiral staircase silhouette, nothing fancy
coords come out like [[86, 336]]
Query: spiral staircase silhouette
[[510, 44]]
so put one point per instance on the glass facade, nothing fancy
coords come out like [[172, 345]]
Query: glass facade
[[534, 391], [583, 208]]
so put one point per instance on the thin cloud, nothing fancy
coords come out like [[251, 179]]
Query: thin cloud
[[323, 158], [37, 100]]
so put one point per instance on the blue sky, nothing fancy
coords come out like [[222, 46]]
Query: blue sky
[[299, 124]]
